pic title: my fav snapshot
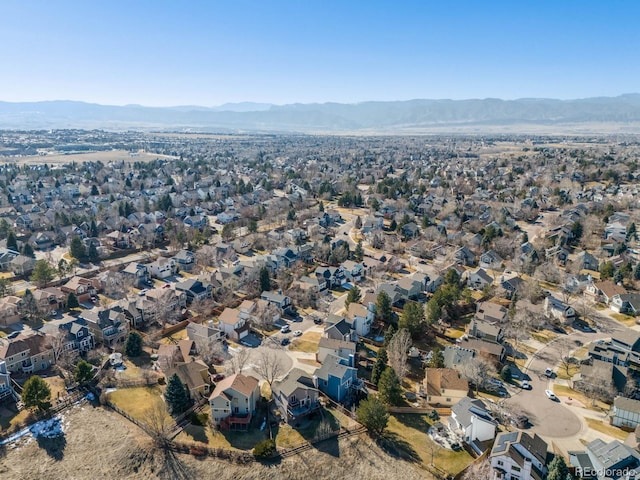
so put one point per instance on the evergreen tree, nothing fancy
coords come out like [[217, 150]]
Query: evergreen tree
[[36, 394], [92, 253], [77, 248], [12, 242], [177, 396], [389, 389], [373, 415], [93, 229], [133, 346], [265, 280], [412, 318], [83, 372], [72, 301], [358, 222], [42, 273], [380, 366], [394, 225], [388, 335], [94, 190], [353, 296], [358, 252], [27, 251], [558, 469], [383, 307]]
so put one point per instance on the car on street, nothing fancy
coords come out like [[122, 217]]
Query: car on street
[[142, 292], [550, 395], [284, 342], [548, 372], [285, 329], [317, 320], [525, 385], [217, 377], [297, 333]]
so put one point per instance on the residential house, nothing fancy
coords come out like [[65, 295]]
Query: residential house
[[77, 337], [361, 318], [185, 260], [494, 352], [28, 352], [606, 461], [339, 348], [295, 395], [472, 421], [443, 386], [51, 298], [82, 288], [601, 373], [586, 261], [22, 265], [278, 299], [10, 307], [139, 273], [6, 388], [511, 285], [485, 330], [163, 268], [519, 456], [108, 326], [337, 328], [195, 289], [454, 355], [627, 303], [391, 291], [464, 256], [556, 309], [479, 279], [353, 271], [332, 276], [195, 376], [409, 288], [490, 259], [604, 291], [204, 334], [625, 412], [338, 378], [491, 312], [233, 402], [233, 325]]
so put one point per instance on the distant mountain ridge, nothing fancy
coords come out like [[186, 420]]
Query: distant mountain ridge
[[382, 116]]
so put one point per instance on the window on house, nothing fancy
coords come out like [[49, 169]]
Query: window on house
[[448, 399], [500, 463], [515, 468]]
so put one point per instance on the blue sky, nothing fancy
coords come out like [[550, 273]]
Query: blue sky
[[165, 52]]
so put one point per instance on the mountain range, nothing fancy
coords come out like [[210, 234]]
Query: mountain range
[[412, 116]]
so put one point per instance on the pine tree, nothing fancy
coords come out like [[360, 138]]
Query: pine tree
[[36, 393], [265, 280], [12, 241], [389, 388], [380, 366], [77, 248], [558, 469], [358, 223], [27, 251], [92, 253], [177, 396], [353, 296], [358, 252], [383, 307], [133, 347], [72, 301], [373, 415], [83, 372]]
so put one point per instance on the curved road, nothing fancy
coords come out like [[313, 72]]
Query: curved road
[[550, 418]]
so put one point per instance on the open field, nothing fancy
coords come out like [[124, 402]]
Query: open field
[[136, 401], [118, 449], [308, 342], [607, 429], [104, 157]]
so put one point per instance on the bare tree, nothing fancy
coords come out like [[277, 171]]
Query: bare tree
[[480, 469], [397, 352], [157, 422], [477, 371], [265, 315], [518, 328], [269, 365], [118, 285], [239, 360], [209, 351]]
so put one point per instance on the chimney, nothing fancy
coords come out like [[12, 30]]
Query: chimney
[[315, 381]]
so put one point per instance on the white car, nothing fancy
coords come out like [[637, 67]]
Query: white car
[[548, 372], [525, 385], [550, 395], [285, 329], [297, 333]]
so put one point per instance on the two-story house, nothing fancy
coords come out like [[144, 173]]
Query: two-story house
[[233, 325], [444, 386], [338, 378], [163, 268], [138, 273], [295, 395], [360, 318], [195, 290], [77, 336], [278, 299], [108, 326], [233, 402], [472, 421], [82, 288], [28, 352], [10, 307], [519, 456], [6, 388], [339, 348], [204, 334]]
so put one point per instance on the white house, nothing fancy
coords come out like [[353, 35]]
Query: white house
[[361, 318], [555, 308], [479, 279], [162, 267], [233, 401], [471, 420], [518, 456], [233, 324], [625, 412]]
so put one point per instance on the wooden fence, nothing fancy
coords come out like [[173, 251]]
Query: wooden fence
[[442, 411]]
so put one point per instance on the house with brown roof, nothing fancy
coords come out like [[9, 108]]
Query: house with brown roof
[[195, 376], [295, 395], [233, 402], [604, 291], [232, 323], [82, 288], [51, 298], [492, 351], [491, 312], [10, 310], [444, 386]]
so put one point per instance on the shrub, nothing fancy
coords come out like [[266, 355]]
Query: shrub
[[265, 449], [199, 418]]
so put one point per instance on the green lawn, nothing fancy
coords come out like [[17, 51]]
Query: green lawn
[[407, 433]]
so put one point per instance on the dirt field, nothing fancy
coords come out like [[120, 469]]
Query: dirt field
[[104, 157], [99, 444]]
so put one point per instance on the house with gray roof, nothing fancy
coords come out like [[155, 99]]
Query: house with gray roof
[[470, 420], [519, 456], [337, 378], [607, 461], [295, 395], [454, 355]]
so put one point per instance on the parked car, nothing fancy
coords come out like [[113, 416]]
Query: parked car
[[297, 333], [284, 342], [317, 320], [550, 395], [285, 329], [217, 377], [142, 292], [525, 385], [548, 372]]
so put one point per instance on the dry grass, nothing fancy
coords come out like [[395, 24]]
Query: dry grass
[[564, 391], [408, 434], [308, 342], [174, 337], [544, 336], [627, 320], [573, 369], [454, 333], [56, 384], [136, 401], [9, 419], [607, 429]]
